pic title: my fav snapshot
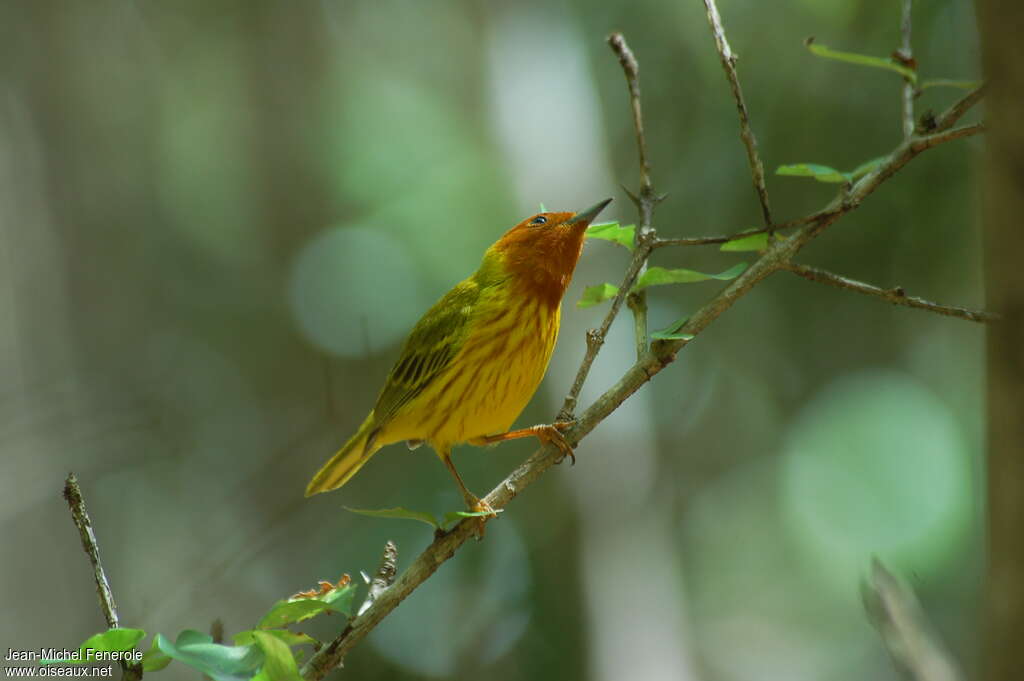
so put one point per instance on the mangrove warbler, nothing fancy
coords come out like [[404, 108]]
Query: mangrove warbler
[[475, 359]]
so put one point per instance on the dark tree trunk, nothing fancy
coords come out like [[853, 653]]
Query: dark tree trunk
[[1001, 23]]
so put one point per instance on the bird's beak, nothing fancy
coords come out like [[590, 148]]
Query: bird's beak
[[584, 218]]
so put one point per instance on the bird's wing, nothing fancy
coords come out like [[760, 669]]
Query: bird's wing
[[429, 350]]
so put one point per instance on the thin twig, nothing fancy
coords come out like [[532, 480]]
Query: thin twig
[[663, 353], [896, 295], [949, 134], [711, 240], [906, 55], [728, 58], [631, 68], [80, 516], [595, 337], [645, 199], [644, 236], [950, 116]]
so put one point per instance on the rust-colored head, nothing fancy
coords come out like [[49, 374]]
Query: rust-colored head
[[541, 251]]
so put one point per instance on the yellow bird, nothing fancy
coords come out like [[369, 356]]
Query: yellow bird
[[474, 360]]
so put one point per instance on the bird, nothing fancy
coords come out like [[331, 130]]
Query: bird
[[472, 363]]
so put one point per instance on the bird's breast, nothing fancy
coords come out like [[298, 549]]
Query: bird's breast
[[494, 375]]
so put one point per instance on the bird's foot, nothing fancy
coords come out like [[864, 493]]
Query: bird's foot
[[552, 434], [477, 505]]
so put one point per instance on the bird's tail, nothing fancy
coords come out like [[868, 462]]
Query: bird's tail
[[347, 461]]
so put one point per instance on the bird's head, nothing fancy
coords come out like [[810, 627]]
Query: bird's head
[[541, 251]]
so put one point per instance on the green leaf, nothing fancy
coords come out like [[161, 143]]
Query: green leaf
[[817, 171], [278, 662], [288, 612], [658, 276], [452, 517], [111, 640], [753, 242], [291, 638], [154, 659], [542, 208], [612, 231], [671, 332], [398, 512], [222, 663], [863, 60], [340, 600], [827, 174], [593, 295], [865, 168]]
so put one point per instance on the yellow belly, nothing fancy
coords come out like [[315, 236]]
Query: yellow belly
[[487, 385]]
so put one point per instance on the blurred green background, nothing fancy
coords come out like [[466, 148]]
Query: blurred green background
[[219, 219]]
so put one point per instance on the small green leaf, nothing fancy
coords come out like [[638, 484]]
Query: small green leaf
[[671, 332], [817, 171], [111, 640], [452, 517], [827, 174], [291, 638], [658, 276], [542, 208], [612, 231], [398, 512], [866, 167], [154, 659], [278, 662], [288, 612], [593, 295], [863, 60], [223, 663], [753, 242]]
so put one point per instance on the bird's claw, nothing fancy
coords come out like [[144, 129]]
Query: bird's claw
[[552, 434], [481, 506]]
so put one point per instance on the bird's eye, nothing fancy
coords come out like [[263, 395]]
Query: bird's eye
[[539, 220]]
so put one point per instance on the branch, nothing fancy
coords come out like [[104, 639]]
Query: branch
[[896, 296], [950, 116], [725, 53], [645, 238], [662, 353], [709, 240], [646, 199], [595, 338], [906, 56], [73, 495], [631, 68]]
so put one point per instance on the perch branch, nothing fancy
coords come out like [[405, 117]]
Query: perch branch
[[728, 58], [895, 295], [80, 516], [662, 353]]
